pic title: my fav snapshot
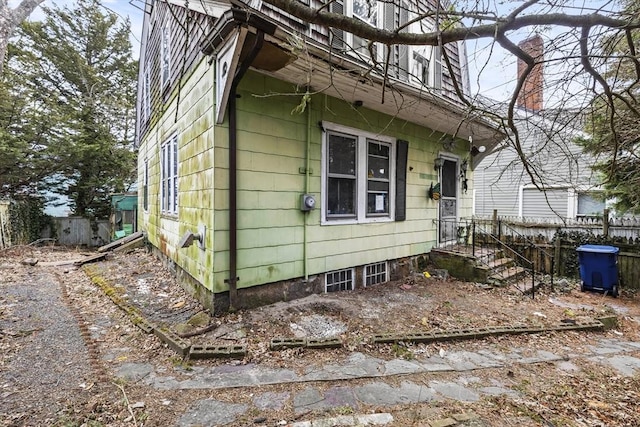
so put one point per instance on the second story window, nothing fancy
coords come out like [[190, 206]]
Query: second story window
[[146, 97], [426, 66], [165, 55], [367, 11]]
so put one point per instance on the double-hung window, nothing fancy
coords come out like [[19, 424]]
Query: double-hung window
[[145, 188], [169, 176], [366, 11], [357, 176], [165, 55], [146, 97]]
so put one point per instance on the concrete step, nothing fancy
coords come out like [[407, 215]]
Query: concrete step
[[508, 275], [500, 264], [526, 286]]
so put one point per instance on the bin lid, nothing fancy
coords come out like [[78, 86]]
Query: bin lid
[[601, 249]]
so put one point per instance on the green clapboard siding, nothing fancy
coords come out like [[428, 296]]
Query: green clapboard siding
[[272, 149]]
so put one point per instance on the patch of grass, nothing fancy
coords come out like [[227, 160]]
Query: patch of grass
[[344, 410], [402, 352]]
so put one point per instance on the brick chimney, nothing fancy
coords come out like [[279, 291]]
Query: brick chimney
[[530, 96]]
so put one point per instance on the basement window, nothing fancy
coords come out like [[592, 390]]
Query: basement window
[[339, 280], [375, 273]]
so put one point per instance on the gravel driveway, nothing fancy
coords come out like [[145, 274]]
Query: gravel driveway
[[49, 367]]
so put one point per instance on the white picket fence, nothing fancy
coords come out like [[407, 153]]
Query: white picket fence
[[627, 228]]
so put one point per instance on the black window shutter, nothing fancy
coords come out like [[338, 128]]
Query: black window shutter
[[402, 151]]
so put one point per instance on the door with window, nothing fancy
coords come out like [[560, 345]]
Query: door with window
[[448, 209]]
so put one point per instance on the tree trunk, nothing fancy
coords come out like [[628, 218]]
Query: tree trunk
[[9, 21]]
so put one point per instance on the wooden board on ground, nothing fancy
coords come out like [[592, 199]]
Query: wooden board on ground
[[128, 247], [120, 242], [89, 259]]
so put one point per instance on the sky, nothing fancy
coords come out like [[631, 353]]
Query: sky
[[123, 8], [492, 69]]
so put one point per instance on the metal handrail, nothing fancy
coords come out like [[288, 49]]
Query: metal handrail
[[529, 262], [470, 226]]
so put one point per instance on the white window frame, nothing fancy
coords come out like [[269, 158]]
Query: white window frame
[[165, 55], [365, 276], [362, 138], [145, 187], [574, 196], [419, 66], [169, 176], [344, 270], [146, 96], [347, 8]]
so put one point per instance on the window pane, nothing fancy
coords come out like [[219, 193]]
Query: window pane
[[449, 178], [341, 196], [378, 203], [378, 166], [342, 155], [590, 204], [367, 10]]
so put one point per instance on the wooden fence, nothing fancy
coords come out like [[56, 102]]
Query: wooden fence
[[551, 244], [78, 231]]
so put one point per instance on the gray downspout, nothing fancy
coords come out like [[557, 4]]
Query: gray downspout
[[233, 173]]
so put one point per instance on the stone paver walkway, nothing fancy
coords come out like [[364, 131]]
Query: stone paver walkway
[[620, 354]]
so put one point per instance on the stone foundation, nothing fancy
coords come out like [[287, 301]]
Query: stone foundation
[[286, 290]]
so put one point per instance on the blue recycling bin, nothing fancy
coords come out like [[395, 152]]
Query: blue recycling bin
[[599, 268]]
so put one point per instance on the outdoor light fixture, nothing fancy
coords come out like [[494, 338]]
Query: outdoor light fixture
[[477, 150], [437, 163], [190, 238]]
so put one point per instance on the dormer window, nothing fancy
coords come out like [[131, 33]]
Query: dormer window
[[420, 69], [366, 11]]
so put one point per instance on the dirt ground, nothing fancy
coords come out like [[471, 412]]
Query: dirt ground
[[86, 394]]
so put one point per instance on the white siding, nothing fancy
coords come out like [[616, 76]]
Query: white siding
[[539, 204], [553, 158]]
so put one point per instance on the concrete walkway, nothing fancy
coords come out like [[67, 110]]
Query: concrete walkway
[[622, 355]]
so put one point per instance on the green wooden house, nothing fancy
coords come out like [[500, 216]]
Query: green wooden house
[[277, 161]]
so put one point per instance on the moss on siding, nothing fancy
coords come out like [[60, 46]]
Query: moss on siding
[[271, 150]]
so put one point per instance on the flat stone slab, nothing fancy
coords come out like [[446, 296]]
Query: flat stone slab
[[626, 365], [134, 371], [348, 420], [209, 412], [379, 393], [271, 401], [567, 366], [498, 391], [455, 391], [312, 399], [609, 351]]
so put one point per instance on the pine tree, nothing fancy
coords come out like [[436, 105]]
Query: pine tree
[[77, 67]]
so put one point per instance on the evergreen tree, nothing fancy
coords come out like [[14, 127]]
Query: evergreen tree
[[77, 68], [614, 121]]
